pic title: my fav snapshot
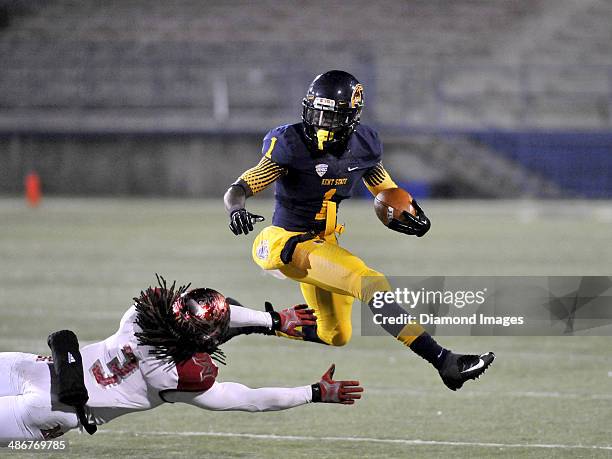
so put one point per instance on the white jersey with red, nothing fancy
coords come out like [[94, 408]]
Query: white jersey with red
[[122, 376]]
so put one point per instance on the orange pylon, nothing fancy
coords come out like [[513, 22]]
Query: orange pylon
[[32, 189]]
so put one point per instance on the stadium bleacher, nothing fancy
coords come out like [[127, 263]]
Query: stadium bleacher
[[184, 66], [446, 64]]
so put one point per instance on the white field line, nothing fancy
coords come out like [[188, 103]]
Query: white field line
[[400, 441], [521, 394]]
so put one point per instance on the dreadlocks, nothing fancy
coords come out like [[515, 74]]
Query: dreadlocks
[[172, 341]]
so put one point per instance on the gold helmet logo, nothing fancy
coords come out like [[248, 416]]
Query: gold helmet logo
[[357, 96]]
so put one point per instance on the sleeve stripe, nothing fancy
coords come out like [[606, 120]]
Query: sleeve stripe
[[376, 175], [263, 174], [266, 163], [256, 175], [378, 179], [261, 171], [268, 167]]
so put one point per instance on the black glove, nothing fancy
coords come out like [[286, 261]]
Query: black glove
[[416, 225], [68, 366], [242, 221]]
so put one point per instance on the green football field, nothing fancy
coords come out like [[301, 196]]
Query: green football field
[[77, 263]]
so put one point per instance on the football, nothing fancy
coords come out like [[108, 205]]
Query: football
[[390, 204]]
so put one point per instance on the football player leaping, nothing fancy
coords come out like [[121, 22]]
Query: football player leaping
[[161, 353], [316, 164]]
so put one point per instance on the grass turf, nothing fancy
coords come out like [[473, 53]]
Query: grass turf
[[77, 264]]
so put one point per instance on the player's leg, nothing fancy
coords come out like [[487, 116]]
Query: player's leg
[[328, 267], [333, 313], [31, 413], [12, 382], [334, 273], [321, 263], [10, 428], [9, 380]]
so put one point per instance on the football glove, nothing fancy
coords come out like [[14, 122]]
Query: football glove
[[68, 366], [287, 320], [416, 225], [242, 221], [329, 391]]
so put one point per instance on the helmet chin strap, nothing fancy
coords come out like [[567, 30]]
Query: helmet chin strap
[[323, 136]]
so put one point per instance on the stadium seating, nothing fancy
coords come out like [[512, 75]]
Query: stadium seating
[[184, 66], [169, 55]]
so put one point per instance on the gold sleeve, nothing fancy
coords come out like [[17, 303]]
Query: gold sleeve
[[378, 179], [262, 175]]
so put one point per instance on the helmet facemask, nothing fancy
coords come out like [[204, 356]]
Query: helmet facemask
[[328, 128]]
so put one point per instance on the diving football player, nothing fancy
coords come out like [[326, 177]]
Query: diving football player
[[162, 352]]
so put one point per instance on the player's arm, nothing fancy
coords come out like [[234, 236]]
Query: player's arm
[[251, 182], [244, 321], [230, 396], [377, 179]]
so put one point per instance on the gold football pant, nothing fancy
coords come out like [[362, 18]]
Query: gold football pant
[[331, 278]]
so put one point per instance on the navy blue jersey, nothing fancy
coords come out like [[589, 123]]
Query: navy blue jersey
[[309, 178]]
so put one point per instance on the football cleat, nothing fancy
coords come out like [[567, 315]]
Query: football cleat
[[459, 368]]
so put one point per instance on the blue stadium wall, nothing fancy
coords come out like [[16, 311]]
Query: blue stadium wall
[[579, 162]]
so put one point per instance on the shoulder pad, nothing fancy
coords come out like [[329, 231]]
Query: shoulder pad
[[369, 137], [197, 374], [277, 144]]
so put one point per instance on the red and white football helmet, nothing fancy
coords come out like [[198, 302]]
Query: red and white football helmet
[[203, 311]]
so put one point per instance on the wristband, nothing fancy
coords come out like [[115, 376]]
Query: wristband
[[276, 320], [316, 393]]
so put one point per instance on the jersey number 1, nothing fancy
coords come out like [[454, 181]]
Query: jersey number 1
[[326, 197]]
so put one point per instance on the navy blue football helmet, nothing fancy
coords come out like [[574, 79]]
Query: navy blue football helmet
[[331, 110]]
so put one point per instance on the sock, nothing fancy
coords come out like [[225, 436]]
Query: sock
[[427, 347], [413, 335], [392, 309]]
